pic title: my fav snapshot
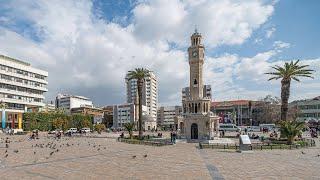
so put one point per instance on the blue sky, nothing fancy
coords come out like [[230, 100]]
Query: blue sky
[[88, 46]]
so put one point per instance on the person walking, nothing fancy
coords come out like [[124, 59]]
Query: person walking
[[174, 137]]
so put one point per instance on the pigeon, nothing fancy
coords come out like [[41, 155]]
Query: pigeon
[[318, 155], [134, 157], [6, 155], [303, 152], [6, 151], [104, 148], [34, 152], [98, 149], [145, 156], [57, 150], [51, 153], [16, 151], [7, 145]]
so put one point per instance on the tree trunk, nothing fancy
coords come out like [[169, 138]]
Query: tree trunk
[[140, 84], [285, 93]]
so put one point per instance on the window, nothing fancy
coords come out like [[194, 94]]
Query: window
[[195, 82]]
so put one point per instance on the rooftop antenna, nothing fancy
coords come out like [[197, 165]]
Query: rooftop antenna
[[195, 29]]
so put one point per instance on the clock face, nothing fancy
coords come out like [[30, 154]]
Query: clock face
[[194, 54]]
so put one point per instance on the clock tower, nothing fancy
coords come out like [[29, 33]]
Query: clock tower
[[199, 123], [196, 59]]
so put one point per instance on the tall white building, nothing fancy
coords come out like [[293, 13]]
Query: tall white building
[[67, 102], [126, 113], [149, 93], [22, 89]]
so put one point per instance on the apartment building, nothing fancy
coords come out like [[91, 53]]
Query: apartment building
[[166, 116], [149, 93], [67, 102], [22, 89]]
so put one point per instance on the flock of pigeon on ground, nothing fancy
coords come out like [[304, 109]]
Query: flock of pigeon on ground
[[50, 147]]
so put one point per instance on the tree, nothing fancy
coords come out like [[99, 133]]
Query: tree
[[286, 73], [129, 127], [266, 110], [99, 128], [140, 74], [291, 129]]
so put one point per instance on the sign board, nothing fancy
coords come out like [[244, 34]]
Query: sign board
[[244, 139]]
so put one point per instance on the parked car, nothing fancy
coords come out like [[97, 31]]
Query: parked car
[[55, 131], [268, 127], [229, 127], [72, 130], [253, 129], [85, 130]]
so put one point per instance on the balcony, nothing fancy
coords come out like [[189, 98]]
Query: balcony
[[18, 101], [4, 81], [23, 76], [20, 93]]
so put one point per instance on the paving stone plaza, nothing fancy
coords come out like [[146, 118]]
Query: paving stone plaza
[[105, 158]]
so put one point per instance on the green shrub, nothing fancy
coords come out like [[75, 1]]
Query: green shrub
[[99, 128]]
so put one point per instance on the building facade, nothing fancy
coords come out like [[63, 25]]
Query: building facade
[[238, 112], [200, 123], [22, 89], [108, 116], [97, 114], [67, 102], [126, 113], [49, 107], [166, 115], [149, 93], [308, 109]]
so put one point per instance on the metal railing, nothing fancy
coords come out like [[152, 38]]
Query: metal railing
[[306, 143], [145, 142]]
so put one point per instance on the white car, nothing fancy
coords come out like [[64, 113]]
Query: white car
[[253, 129], [85, 130], [229, 127], [72, 130]]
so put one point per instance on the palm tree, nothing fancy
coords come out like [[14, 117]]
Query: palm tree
[[129, 127], [289, 71], [139, 74], [291, 129]]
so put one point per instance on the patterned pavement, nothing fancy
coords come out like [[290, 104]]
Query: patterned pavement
[[104, 158]]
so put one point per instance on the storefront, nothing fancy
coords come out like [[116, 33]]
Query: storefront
[[11, 120]]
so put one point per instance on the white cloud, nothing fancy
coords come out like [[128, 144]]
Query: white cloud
[[280, 45], [88, 56], [221, 22], [270, 32]]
